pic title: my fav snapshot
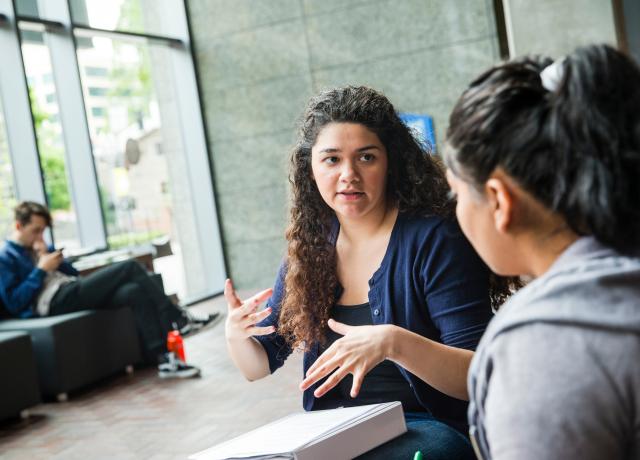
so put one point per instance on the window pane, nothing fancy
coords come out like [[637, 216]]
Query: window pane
[[97, 91], [27, 8], [7, 190], [45, 109], [127, 15], [139, 156]]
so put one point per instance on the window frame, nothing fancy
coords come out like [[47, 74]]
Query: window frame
[[61, 34]]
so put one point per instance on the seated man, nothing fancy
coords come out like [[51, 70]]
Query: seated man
[[37, 281]]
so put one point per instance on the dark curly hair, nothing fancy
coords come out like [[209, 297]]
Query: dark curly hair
[[416, 184]]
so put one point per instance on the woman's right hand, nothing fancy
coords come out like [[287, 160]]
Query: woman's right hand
[[242, 316]]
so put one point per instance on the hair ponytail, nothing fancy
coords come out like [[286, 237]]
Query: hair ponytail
[[597, 114], [574, 145]]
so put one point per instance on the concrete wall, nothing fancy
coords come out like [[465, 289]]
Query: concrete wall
[[260, 61], [631, 10], [556, 27]]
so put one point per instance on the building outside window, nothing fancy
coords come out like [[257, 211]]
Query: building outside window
[[119, 139], [45, 110]]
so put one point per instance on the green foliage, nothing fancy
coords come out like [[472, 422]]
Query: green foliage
[[52, 164], [108, 208], [55, 179], [39, 115], [130, 18], [124, 240]]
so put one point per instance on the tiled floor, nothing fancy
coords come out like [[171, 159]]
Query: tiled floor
[[140, 416]]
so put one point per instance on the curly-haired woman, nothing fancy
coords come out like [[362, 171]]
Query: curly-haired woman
[[373, 245]]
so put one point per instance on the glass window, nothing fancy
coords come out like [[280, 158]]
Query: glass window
[[97, 92], [126, 15], [27, 8], [96, 71], [7, 191], [98, 111], [37, 64], [145, 195]]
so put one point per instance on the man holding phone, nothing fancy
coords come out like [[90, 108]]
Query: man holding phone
[[35, 281]]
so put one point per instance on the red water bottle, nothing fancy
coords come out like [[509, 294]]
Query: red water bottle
[[175, 344]]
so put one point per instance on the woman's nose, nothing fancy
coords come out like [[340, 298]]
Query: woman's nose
[[349, 172]]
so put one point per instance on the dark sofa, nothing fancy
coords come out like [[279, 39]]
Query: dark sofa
[[19, 382], [80, 348]]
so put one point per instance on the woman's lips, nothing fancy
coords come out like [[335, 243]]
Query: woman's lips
[[351, 196]]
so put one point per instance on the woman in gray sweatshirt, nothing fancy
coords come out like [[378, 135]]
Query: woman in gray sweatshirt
[[544, 158]]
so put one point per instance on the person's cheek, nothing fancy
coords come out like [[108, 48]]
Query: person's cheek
[[463, 217]]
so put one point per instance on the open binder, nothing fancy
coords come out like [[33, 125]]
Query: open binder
[[335, 434]]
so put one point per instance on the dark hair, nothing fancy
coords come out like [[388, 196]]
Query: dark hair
[[415, 183], [23, 211], [575, 148]]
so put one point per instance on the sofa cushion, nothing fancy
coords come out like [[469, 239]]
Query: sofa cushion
[[19, 382], [77, 349]]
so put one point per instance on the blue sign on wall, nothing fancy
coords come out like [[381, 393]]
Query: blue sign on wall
[[422, 125]]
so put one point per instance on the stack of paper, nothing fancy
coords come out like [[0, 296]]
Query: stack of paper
[[328, 434]]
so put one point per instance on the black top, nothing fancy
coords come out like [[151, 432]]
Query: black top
[[382, 384]]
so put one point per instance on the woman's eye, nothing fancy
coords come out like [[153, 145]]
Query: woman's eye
[[330, 160], [367, 157]]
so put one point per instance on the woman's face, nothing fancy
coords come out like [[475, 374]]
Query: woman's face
[[349, 165], [477, 217]]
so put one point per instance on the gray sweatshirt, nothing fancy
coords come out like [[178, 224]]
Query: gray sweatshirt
[[557, 373]]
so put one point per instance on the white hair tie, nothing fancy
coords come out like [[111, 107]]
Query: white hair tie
[[552, 75]]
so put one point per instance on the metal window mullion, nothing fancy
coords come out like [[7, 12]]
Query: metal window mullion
[[508, 20], [195, 150], [20, 129], [83, 182]]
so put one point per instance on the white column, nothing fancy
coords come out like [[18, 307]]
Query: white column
[[17, 112], [83, 182]]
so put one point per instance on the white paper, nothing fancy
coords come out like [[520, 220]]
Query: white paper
[[289, 434]]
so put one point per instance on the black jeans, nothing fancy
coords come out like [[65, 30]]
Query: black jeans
[[125, 284]]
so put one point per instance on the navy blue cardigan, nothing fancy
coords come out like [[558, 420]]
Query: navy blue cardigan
[[430, 282], [21, 280]]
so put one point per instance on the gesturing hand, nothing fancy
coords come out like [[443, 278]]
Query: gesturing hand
[[242, 316], [360, 350]]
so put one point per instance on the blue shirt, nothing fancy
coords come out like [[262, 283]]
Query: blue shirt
[[21, 280], [430, 282]]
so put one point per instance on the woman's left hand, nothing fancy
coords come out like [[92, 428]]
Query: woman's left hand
[[360, 350]]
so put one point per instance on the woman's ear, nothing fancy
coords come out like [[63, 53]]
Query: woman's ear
[[501, 198]]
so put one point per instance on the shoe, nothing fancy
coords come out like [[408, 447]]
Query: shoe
[[195, 320], [199, 317], [175, 368]]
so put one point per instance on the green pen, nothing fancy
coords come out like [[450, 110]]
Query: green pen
[[417, 456]]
